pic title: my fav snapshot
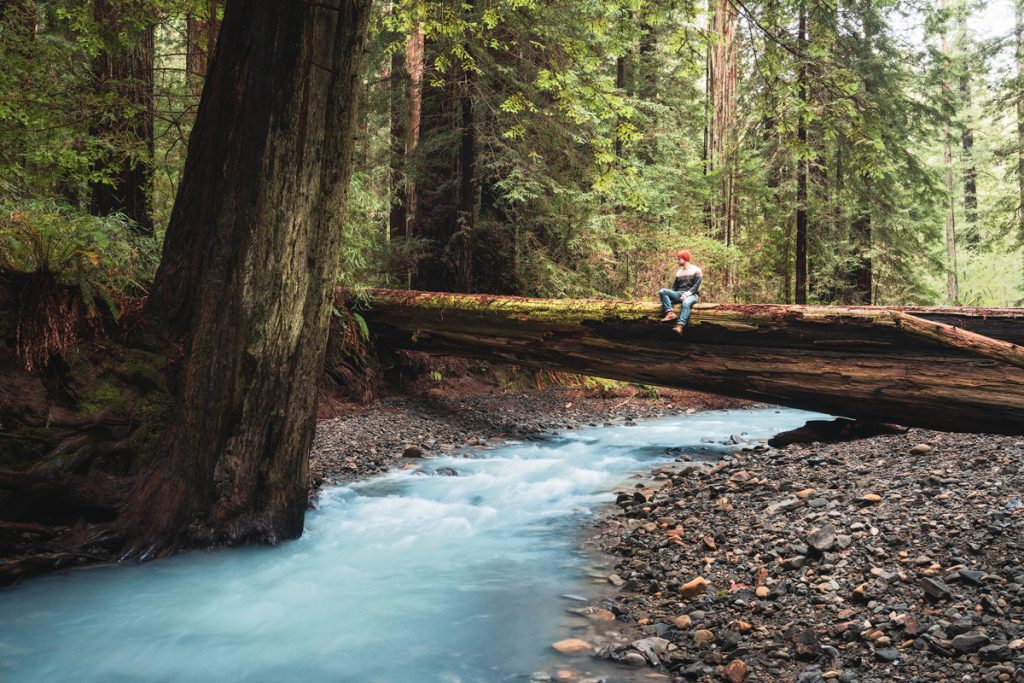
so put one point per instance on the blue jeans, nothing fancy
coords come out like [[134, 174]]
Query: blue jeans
[[670, 297]]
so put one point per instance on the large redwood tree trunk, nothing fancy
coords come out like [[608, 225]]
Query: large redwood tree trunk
[[244, 285]]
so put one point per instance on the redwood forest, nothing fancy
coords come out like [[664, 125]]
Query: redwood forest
[[496, 340]]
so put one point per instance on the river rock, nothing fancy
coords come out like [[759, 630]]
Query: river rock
[[682, 621], [920, 449], [735, 671], [412, 452], [651, 648], [694, 587], [821, 540], [572, 646], [887, 654], [632, 658], [703, 635], [935, 589], [970, 642]]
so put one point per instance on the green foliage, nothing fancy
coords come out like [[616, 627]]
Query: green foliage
[[589, 120], [103, 257]]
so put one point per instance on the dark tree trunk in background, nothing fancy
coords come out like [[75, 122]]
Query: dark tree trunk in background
[[399, 82], [800, 293], [447, 188], [436, 219], [124, 73], [244, 286], [201, 39], [469, 187]]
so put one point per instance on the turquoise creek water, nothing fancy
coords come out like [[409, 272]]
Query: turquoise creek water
[[406, 578]]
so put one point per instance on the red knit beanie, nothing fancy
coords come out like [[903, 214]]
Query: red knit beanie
[[684, 254]]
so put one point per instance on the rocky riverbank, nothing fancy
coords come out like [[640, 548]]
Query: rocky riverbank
[[368, 440], [892, 558]]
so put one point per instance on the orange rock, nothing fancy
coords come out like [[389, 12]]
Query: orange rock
[[735, 671], [710, 543], [572, 646], [693, 588], [598, 614]]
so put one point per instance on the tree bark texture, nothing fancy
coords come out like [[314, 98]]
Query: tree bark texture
[[800, 277], [244, 286], [124, 72], [399, 84], [1018, 7], [952, 286], [722, 65], [917, 367]]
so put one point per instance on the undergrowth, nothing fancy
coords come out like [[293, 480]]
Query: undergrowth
[[65, 270]]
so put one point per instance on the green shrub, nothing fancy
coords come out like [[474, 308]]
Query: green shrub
[[104, 258]]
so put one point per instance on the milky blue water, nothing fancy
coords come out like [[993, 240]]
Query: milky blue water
[[409, 577]]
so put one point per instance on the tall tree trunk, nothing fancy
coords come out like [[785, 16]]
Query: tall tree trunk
[[200, 41], [436, 218], [721, 68], [446, 213], [1018, 7], [414, 67], [469, 188], [124, 72], [952, 286], [399, 85], [970, 171], [800, 294], [243, 292]]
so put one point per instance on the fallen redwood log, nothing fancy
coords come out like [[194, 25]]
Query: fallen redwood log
[[914, 366]]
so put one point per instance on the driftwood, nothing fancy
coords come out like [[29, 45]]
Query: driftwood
[[953, 369]]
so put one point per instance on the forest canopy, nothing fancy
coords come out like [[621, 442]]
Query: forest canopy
[[862, 151]]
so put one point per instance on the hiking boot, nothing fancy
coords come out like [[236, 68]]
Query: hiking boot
[[678, 329], [671, 315]]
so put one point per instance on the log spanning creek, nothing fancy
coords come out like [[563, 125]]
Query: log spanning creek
[[410, 577]]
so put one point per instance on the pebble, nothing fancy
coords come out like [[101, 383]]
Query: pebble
[[572, 646], [693, 587], [735, 671], [875, 581], [703, 635]]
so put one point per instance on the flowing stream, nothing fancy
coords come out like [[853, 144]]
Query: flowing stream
[[411, 577]]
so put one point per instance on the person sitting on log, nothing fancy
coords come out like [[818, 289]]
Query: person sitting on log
[[685, 292]]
